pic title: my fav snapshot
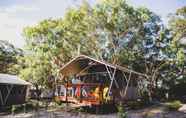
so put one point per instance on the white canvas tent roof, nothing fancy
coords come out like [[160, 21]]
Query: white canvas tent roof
[[72, 66], [12, 79]]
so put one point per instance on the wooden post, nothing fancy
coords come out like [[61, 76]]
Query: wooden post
[[80, 91], [66, 93]]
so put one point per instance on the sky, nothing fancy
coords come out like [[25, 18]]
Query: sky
[[17, 14]]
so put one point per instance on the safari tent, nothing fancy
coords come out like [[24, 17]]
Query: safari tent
[[88, 81], [12, 90]]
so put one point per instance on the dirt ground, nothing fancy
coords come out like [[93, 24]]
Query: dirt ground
[[157, 111]]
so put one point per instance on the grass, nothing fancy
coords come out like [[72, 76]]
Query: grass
[[174, 105]]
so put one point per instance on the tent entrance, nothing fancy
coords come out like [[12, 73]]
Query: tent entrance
[[92, 88]]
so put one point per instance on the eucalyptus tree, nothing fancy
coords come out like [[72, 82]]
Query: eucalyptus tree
[[177, 23], [8, 57], [111, 30], [53, 42], [176, 76], [137, 38], [95, 31]]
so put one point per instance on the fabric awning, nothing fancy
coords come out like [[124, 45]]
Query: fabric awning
[[12, 79], [80, 62]]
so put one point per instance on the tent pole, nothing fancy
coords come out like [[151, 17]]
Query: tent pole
[[66, 96], [124, 79], [84, 69], [127, 84], [112, 79], [1, 98], [9, 91], [124, 76], [66, 91], [23, 89], [111, 76]]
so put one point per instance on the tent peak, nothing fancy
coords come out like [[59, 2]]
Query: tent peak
[[114, 66]]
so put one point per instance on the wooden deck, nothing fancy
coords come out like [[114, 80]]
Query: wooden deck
[[78, 98]]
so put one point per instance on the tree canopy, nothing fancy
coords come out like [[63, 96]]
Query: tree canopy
[[8, 57], [175, 80], [178, 23], [112, 30]]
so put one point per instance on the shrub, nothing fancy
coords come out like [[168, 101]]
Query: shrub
[[13, 109], [16, 108], [135, 104], [57, 100], [175, 105], [121, 112], [149, 115], [145, 98]]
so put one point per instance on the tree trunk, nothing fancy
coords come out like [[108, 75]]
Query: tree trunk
[[37, 96], [150, 91]]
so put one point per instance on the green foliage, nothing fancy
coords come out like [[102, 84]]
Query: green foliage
[[178, 89], [137, 104], [149, 115], [57, 100], [121, 112], [175, 76], [8, 57], [95, 31], [178, 26], [13, 109], [36, 69], [20, 108], [178, 23], [112, 31], [174, 105]]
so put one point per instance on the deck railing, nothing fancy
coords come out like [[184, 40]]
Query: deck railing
[[86, 92]]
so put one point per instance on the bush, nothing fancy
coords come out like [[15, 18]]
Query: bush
[[175, 105], [57, 100], [135, 104], [121, 112], [145, 98], [13, 109], [149, 115]]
